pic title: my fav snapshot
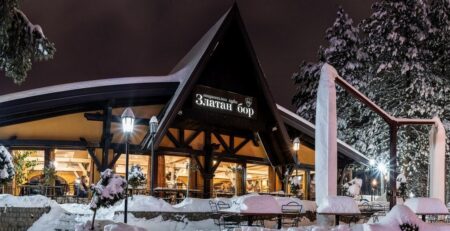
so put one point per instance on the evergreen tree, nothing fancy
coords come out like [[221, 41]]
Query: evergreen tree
[[402, 83], [439, 41], [6, 166], [20, 42], [342, 52]]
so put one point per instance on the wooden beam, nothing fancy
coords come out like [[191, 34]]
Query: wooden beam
[[214, 168], [91, 152], [241, 145], [222, 142], [192, 137], [173, 139], [181, 137], [231, 142], [114, 160], [114, 119], [199, 164]]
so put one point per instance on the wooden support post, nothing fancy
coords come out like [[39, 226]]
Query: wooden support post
[[208, 176], [106, 136], [393, 128], [47, 157], [244, 179]]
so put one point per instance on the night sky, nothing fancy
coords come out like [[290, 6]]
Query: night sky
[[116, 38]]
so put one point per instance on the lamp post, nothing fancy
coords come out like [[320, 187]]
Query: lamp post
[[372, 163], [153, 127], [374, 186], [296, 147], [127, 127]]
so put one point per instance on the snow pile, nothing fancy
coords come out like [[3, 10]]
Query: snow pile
[[306, 205], [145, 203], [49, 220], [254, 203], [338, 204], [354, 186], [401, 214], [193, 205], [6, 166], [426, 205], [36, 201], [122, 227], [303, 228]]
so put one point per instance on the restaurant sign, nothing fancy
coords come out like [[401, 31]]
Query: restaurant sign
[[224, 102]]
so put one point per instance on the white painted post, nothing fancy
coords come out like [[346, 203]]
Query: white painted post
[[437, 160], [326, 139]]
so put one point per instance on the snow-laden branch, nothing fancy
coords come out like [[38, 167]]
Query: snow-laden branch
[[31, 27]]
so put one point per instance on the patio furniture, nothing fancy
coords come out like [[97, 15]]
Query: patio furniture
[[227, 221], [291, 214]]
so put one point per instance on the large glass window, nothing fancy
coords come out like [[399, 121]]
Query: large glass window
[[225, 179], [140, 160], [257, 178], [176, 170]]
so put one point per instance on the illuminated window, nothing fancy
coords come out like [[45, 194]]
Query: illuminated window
[[257, 178]]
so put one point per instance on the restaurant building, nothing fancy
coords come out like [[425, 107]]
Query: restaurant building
[[220, 132]]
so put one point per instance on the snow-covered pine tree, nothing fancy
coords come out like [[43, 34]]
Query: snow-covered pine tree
[[21, 42], [6, 166], [108, 190], [439, 38], [439, 44], [402, 83], [342, 52]]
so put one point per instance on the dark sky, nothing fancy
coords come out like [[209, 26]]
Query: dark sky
[[117, 38]]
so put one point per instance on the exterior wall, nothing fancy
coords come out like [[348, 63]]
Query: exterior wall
[[19, 219]]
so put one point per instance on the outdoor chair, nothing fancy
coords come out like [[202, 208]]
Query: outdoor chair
[[380, 211], [227, 221], [294, 210]]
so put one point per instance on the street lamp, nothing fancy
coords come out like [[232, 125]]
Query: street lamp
[[374, 185], [296, 144], [153, 124], [127, 127]]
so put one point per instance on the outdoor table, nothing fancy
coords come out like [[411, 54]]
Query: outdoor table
[[351, 215], [251, 216], [174, 192], [431, 214]]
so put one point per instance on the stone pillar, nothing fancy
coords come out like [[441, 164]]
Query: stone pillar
[[437, 161], [326, 139]]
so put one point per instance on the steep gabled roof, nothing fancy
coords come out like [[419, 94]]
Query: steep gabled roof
[[195, 62]]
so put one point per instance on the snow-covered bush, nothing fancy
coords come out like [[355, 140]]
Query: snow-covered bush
[[294, 183], [6, 166], [136, 177], [108, 190], [353, 187]]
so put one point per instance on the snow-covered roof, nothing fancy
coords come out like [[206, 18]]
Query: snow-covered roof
[[89, 84], [309, 128]]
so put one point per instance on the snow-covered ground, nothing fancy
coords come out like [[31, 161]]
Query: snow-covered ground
[[68, 216]]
